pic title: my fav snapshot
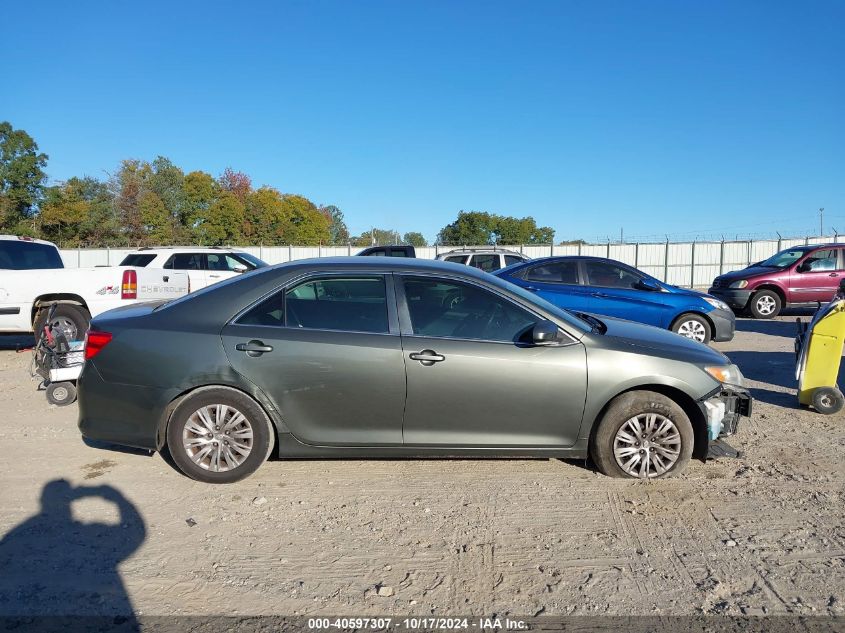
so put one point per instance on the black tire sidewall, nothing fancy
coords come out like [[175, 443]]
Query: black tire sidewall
[[752, 305], [623, 408], [262, 435], [689, 316]]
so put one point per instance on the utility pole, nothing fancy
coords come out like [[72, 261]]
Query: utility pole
[[821, 221]]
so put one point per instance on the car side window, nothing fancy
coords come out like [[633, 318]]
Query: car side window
[[223, 262], [451, 309], [554, 273], [487, 263], [379, 252], [351, 304], [456, 259], [397, 252], [185, 261], [820, 261], [512, 259], [610, 275], [270, 312]]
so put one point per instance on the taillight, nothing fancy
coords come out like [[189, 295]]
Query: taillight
[[95, 341], [129, 285]]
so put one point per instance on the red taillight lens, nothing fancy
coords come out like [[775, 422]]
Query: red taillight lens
[[95, 341], [129, 286]]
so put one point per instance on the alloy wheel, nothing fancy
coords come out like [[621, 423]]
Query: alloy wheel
[[766, 305], [65, 326], [647, 445], [693, 329], [217, 437]]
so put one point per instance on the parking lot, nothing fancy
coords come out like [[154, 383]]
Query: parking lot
[[761, 534]]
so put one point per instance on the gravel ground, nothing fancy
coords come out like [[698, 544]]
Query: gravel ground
[[761, 534]]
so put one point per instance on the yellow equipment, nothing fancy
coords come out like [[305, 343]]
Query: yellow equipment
[[818, 348]]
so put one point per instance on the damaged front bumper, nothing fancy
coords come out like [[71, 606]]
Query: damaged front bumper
[[722, 409]]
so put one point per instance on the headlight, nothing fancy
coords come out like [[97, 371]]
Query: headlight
[[728, 374], [719, 305], [742, 283]]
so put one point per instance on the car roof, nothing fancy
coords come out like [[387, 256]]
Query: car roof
[[183, 249], [382, 264], [25, 239], [481, 251]]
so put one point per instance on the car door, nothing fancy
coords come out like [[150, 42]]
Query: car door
[[327, 351], [191, 263], [816, 277], [611, 289], [556, 282], [473, 381]]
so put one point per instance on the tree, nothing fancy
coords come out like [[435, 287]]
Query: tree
[[167, 181], [338, 233], [79, 211], [236, 182], [127, 186], [306, 225], [21, 177], [267, 217], [415, 239], [480, 227], [156, 219], [376, 237], [223, 221], [199, 190], [471, 228]]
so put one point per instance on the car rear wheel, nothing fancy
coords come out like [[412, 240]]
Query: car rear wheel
[[694, 327], [219, 435], [71, 319], [765, 304], [643, 435]]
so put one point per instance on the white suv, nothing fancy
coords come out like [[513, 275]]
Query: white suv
[[486, 259], [204, 266]]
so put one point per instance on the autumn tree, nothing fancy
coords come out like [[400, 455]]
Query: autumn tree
[[21, 179], [223, 222], [338, 232], [236, 183], [79, 211], [306, 225]]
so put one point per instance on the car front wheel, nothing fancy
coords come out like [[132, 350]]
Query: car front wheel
[[219, 435], [765, 304], [643, 435], [693, 326]]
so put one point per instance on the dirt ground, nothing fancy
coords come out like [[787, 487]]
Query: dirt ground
[[762, 534]]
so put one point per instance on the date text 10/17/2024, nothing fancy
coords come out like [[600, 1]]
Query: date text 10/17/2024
[[417, 623]]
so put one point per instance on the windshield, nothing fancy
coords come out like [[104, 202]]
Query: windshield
[[252, 260], [784, 259]]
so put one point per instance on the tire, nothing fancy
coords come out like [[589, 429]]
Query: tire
[[765, 304], [61, 393], [71, 318], [197, 446], [693, 326], [616, 431], [828, 400]]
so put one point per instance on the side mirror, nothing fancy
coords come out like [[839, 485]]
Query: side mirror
[[545, 333], [648, 284], [239, 268]]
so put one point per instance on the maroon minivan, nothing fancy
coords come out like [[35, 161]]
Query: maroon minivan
[[798, 276]]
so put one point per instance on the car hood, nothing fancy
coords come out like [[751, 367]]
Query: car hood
[[644, 339], [751, 271]]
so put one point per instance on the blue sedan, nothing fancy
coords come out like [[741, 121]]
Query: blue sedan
[[607, 287]]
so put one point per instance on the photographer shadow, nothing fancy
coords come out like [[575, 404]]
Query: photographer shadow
[[56, 566]]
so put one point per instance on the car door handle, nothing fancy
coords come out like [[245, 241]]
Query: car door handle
[[215, 276], [531, 288], [600, 295], [165, 278], [254, 348], [427, 357], [833, 275]]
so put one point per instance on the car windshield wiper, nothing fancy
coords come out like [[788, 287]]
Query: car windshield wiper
[[595, 324]]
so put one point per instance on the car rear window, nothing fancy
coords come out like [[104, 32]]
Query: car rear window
[[137, 259], [554, 272], [23, 255]]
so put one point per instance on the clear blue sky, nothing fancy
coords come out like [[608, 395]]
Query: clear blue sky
[[673, 116]]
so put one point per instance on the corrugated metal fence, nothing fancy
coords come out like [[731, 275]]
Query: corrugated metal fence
[[689, 264]]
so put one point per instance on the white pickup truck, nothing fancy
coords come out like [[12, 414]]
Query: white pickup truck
[[33, 278]]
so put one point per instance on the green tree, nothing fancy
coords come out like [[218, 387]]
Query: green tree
[[199, 191], [21, 178], [267, 217], [414, 239], [306, 225], [127, 186], [376, 237], [510, 230], [223, 222], [79, 211], [338, 232], [157, 221], [470, 228], [167, 181]]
